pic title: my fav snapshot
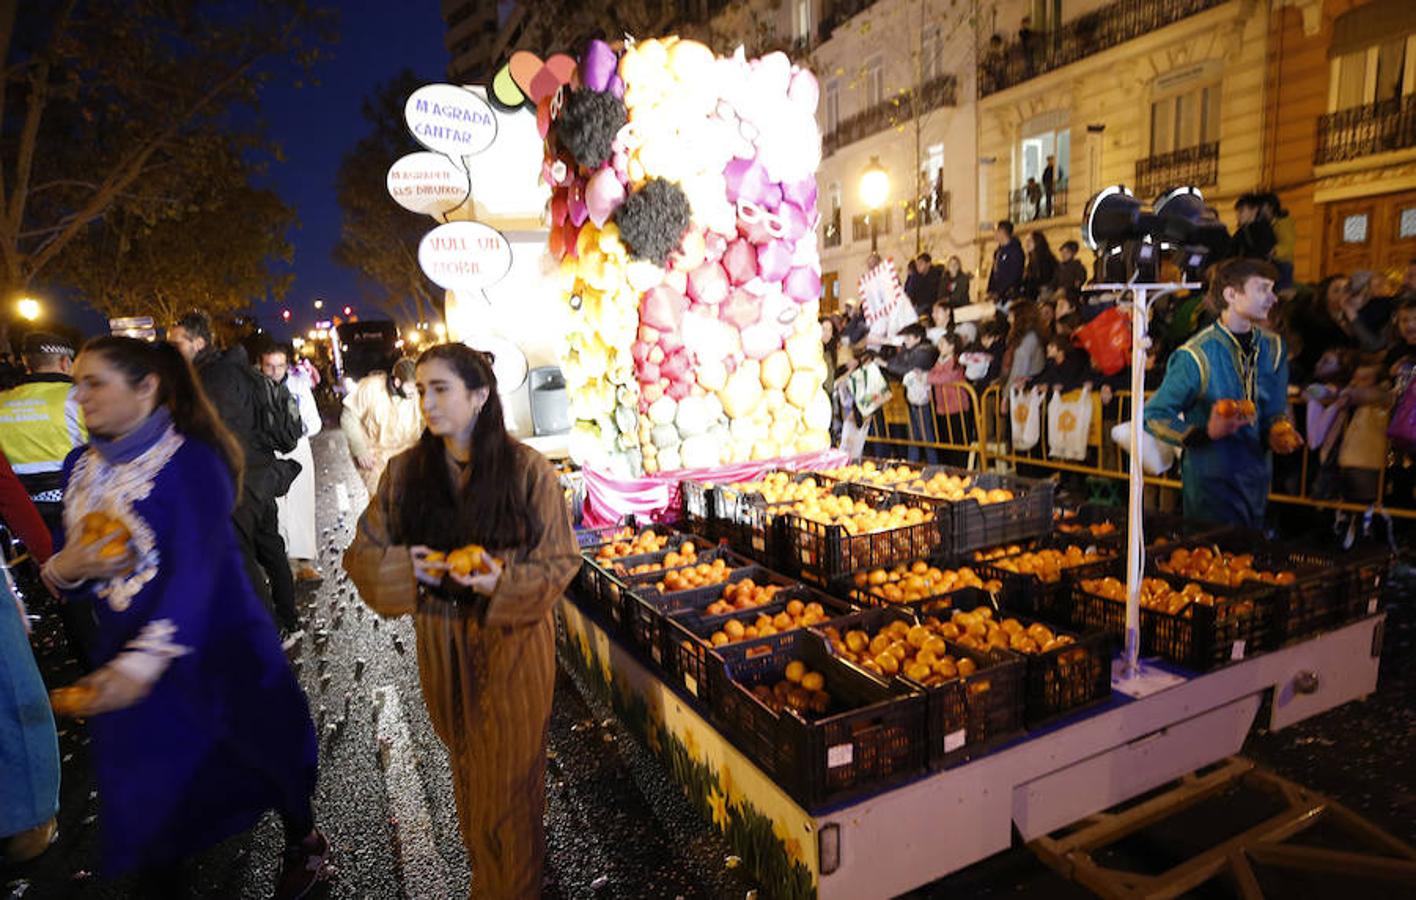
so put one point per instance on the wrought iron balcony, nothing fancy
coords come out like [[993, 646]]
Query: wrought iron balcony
[[1025, 208], [1364, 130], [1084, 36], [890, 112], [1197, 166]]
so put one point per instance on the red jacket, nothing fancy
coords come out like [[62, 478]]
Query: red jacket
[[949, 399], [20, 516]]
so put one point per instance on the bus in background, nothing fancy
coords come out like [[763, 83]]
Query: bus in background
[[358, 348]]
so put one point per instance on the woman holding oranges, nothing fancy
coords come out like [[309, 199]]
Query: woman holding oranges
[[199, 726], [1225, 400], [486, 643]]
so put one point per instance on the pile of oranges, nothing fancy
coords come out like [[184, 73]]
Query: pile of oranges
[[869, 473], [1231, 408], [1096, 529], [463, 562], [644, 542], [100, 527], [858, 516], [1220, 567], [918, 652], [685, 555], [690, 577], [778, 488], [1156, 593], [955, 488], [800, 689], [980, 630], [917, 580], [1047, 564], [743, 594], [796, 615]]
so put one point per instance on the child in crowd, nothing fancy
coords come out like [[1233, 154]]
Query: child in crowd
[[954, 423]]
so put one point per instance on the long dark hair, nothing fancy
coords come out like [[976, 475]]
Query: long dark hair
[[493, 508], [1041, 261], [178, 389]]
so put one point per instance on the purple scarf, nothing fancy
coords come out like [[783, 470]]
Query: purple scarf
[[136, 442]]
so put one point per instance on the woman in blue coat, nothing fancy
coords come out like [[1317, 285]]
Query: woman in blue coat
[[1226, 469], [199, 725]]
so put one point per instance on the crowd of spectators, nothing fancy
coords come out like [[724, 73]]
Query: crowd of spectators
[[1350, 338]]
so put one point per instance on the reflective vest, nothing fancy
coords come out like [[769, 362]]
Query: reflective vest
[[40, 423]]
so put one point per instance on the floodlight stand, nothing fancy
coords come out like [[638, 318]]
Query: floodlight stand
[[1142, 295]]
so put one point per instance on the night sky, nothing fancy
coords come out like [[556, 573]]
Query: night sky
[[317, 124]]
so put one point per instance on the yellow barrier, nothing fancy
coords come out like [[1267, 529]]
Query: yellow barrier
[[984, 434]]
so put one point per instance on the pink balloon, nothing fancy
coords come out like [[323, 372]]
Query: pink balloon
[[740, 261], [708, 284], [648, 373], [802, 193], [746, 180], [774, 260], [714, 245], [794, 221], [603, 195], [662, 308], [579, 212], [802, 284], [804, 91], [741, 309], [772, 196], [679, 389]]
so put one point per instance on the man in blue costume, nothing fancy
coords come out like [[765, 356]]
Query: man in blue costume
[[1226, 467]]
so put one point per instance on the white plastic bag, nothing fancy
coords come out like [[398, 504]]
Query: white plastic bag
[[1025, 410], [1156, 456], [916, 387], [1069, 424]]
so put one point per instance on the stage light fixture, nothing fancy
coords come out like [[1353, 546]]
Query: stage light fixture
[[1130, 241]]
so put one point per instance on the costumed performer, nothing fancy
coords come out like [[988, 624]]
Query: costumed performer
[[486, 643], [198, 723], [381, 420], [296, 507]]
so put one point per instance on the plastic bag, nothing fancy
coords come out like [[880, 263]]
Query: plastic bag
[[1069, 419], [1401, 431], [1107, 340], [1025, 410], [1156, 456]]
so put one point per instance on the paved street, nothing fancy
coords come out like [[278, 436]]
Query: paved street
[[618, 827]]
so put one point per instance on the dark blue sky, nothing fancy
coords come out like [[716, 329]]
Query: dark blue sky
[[316, 124]]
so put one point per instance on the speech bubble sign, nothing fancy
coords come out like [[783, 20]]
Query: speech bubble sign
[[450, 120], [428, 183], [465, 255]]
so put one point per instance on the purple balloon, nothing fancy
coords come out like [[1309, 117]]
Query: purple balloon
[[746, 181], [794, 221], [774, 260], [617, 86], [772, 195], [802, 193], [603, 195], [802, 284], [598, 66]]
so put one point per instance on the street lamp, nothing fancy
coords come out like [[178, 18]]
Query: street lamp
[[441, 330], [874, 191], [29, 309], [319, 304]]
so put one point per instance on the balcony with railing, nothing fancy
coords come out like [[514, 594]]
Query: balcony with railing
[[1086, 35], [1379, 127], [1027, 205], [1197, 166], [890, 112]]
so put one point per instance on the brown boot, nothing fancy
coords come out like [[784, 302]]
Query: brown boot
[[25, 846]]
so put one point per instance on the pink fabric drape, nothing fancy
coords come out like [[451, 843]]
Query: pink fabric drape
[[656, 497]]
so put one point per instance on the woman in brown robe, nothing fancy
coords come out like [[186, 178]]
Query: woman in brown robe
[[486, 643]]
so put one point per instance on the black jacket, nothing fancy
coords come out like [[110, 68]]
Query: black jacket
[[232, 391], [1070, 276], [921, 356], [923, 290], [955, 290], [1007, 274]]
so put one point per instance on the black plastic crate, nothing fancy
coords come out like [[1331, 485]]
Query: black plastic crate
[[1199, 637], [645, 606], [607, 588], [684, 647], [966, 715], [706, 553], [698, 508], [873, 735], [1160, 528], [1327, 590], [823, 553], [975, 526], [1057, 682], [756, 530], [1028, 593], [875, 595]]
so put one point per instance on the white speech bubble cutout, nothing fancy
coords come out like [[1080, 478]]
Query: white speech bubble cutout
[[464, 255], [450, 120], [428, 183]]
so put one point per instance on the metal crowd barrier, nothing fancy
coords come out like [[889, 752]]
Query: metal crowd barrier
[[982, 439]]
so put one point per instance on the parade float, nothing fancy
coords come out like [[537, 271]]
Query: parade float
[[865, 676]]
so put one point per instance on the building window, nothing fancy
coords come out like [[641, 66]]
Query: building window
[[1354, 229], [1185, 120], [1407, 228], [874, 82], [860, 225], [930, 49], [833, 105], [1373, 74], [932, 202], [801, 20], [832, 235]]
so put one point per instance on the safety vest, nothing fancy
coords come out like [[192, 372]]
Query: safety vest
[[40, 423]]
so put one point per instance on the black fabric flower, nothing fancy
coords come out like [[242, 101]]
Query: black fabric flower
[[653, 219], [588, 123]]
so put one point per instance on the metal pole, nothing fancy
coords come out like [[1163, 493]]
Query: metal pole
[[1135, 517], [873, 232]]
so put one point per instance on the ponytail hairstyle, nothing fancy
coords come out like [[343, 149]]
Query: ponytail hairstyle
[[491, 509], [178, 389]]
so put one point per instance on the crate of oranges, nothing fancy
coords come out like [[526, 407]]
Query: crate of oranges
[[1313, 591], [691, 636], [996, 509], [824, 730], [751, 511], [1182, 621], [879, 473], [698, 508], [599, 580], [738, 585], [856, 528], [974, 698], [1032, 573], [914, 582], [1064, 670]]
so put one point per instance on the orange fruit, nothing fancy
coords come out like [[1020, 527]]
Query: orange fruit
[[1226, 408]]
